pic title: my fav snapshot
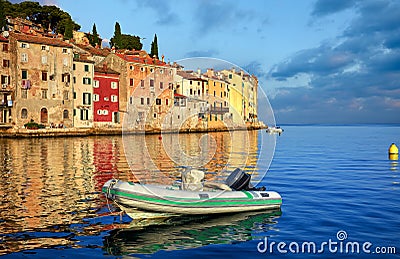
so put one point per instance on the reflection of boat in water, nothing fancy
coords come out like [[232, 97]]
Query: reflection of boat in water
[[275, 130], [200, 231], [165, 199]]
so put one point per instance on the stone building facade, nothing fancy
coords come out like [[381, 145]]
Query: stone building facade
[[42, 70]]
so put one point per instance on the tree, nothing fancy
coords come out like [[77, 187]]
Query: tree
[[115, 41], [94, 38], [3, 23], [130, 42], [68, 34], [125, 41], [154, 47]]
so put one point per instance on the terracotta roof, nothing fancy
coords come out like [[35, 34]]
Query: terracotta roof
[[105, 70], [40, 40], [94, 51], [189, 75], [142, 60], [84, 60], [3, 39]]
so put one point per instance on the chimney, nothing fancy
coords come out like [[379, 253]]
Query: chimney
[[162, 58]]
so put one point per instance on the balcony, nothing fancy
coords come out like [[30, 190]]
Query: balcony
[[219, 110]]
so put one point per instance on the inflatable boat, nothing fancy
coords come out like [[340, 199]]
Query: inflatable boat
[[165, 199]]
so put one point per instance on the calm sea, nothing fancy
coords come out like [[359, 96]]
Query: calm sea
[[341, 195]]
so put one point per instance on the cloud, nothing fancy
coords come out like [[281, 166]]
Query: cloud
[[202, 53], [327, 7], [164, 14], [359, 70], [214, 15]]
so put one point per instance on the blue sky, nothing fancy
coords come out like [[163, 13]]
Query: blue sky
[[319, 61]]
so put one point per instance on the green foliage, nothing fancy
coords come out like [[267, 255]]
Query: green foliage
[[34, 125], [154, 47], [125, 41], [49, 16], [68, 34], [94, 37], [3, 23]]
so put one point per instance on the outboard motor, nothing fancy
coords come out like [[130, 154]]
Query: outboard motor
[[239, 180]]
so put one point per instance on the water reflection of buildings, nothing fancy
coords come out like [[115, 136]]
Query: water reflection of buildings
[[52, 184]]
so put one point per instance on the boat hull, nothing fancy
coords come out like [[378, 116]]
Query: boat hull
[[162, 199]]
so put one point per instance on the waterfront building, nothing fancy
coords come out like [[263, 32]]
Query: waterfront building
[[6, 89], [242, 96], [145, 88], [83, 74], [190, 84], [106, 97], [217, 99], [186, 114], [41, 74]]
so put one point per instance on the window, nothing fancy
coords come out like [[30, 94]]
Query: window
[[86, 81], [96, 97], [66, 95], [64, 51], [131, 67], [5, 47], [44, 59], [44, 94], [24, 45], [73, 67], [142, 69], [190, 82], [87, 98], [230, 76], [84, 115], [214, 93], [158, 101], [5, 80], [148, 101], [142, 101], [74, 79], [155, 115], [65, 114], [24, 74], [191, 91], [86, 68], [43, 47], [106, 99], [166, 101], [114, 98], [44, 75], [95, 83], [151, 82], [114, 85], [141, 83], [24, 113], [24, 93], [131, 100], [131, 81], [161, 71], [6, 63], [65, 62], [161, 85], [24, 57], [151, 70]]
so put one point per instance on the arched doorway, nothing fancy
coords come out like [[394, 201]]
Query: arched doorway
[[43, 115]]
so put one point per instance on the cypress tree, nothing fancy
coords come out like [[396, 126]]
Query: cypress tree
[[68, 34], [154, 47], [95, 37], [116, 40]]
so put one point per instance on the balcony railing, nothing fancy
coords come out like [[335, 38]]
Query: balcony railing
[[219, 110]]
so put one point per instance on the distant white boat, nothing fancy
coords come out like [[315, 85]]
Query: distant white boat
[[275, 130]]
